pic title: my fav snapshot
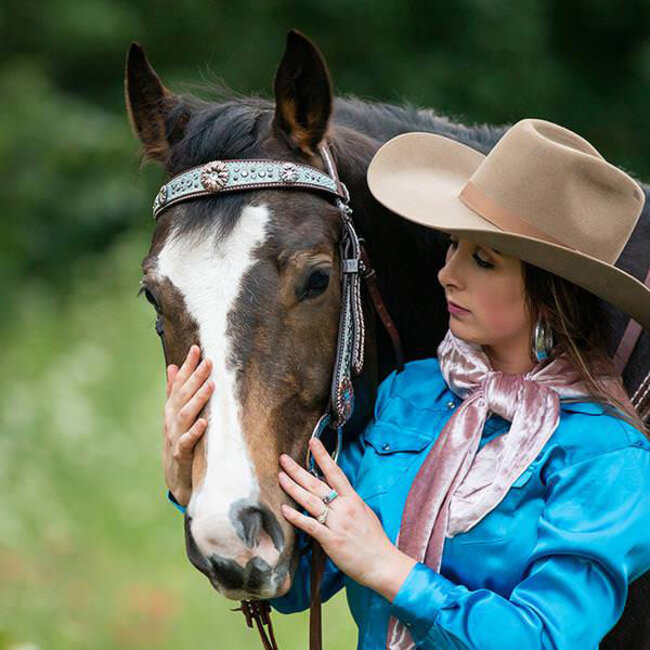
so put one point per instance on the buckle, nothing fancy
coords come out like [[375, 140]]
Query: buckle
[[351, 265]]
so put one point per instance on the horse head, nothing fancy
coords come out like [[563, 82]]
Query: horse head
[[253, 278]]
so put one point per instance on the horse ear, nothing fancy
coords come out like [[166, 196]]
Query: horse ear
[[303, 94], [157, 115]]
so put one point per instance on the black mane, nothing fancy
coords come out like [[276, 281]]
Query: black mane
[[237, 126], [232, 129], [382, 121]]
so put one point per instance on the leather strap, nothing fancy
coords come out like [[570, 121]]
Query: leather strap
[[315, 609], [370, 277], [259, 612], [641, 399], [629, 340]]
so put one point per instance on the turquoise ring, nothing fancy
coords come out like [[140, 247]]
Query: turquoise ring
[[330, 496]]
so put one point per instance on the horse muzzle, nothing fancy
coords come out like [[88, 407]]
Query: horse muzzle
[[242, 552]]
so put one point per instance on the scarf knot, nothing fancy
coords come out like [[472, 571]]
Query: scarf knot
[[501, 393]]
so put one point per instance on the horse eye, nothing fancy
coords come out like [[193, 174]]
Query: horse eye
[[150, 299], [317, 282]]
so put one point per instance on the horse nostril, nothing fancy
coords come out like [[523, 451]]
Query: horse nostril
[[251, 519]]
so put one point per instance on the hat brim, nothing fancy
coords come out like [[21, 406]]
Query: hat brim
[[419, 177]]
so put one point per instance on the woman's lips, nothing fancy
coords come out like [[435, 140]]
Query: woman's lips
[[455, 309]]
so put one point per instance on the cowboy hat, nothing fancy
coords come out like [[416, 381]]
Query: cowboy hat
[[543, 195]]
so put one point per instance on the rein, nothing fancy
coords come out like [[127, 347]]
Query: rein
[[221, 176], [641, 398]]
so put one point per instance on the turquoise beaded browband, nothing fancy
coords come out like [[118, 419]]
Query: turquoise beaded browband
[[221, 176]]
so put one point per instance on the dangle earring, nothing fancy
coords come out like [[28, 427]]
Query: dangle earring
[[542, 341]]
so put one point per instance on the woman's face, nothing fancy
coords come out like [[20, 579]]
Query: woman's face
[[485, 294]]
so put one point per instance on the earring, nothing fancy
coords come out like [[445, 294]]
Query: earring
[[542, 340]]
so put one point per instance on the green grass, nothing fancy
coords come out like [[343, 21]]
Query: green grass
[[91, 554]]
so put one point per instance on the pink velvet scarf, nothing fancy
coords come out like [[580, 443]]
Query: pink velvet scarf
[[456, 486]]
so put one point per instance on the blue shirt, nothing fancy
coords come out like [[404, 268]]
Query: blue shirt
[[547, 568]]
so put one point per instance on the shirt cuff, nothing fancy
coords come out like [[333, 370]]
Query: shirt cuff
[[172, 500], [419, 599]]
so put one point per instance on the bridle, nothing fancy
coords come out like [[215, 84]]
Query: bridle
[[224, 176]]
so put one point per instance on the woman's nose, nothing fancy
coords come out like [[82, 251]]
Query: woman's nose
[[449, 275]]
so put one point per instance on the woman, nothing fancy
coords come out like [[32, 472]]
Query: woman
[[499, 497]]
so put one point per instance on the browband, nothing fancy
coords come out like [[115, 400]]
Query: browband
[[221, 176]]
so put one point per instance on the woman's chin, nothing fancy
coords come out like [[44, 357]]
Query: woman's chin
[[464, 331]]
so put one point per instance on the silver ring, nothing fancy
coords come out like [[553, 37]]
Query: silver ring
[[323, 516], [330, 496]]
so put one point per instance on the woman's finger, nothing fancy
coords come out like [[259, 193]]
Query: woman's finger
[[187, 368], [319, 532], [192, 408], [312, 503], [303, 477], [195, 381], [188, 440], [172, 371], [332, 472]]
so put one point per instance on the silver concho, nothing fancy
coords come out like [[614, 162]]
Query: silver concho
[[161, 199], [214, 176], [289, 173]]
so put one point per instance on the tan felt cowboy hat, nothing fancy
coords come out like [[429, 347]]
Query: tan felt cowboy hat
[[543, 194]]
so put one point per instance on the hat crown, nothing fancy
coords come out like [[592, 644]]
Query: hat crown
[[558, 187]]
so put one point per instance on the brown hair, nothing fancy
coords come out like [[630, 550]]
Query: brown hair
[[581, 328]]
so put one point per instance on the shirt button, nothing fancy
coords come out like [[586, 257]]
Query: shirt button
[[451, 404], [385, 447]]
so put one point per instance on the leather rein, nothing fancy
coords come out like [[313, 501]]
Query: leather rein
[[221, 176]]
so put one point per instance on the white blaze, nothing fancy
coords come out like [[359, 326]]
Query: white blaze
[[209, 276]]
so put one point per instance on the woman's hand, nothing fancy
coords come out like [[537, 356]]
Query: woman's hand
[[188, 390], [352, 535]]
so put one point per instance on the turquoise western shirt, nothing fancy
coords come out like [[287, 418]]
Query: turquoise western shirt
[[547, 568]]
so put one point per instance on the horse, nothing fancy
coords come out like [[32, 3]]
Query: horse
[[254, 278]]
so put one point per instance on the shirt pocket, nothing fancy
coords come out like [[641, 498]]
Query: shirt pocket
[[390, 452]]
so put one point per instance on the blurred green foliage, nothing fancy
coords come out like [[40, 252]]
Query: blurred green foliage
[[68, 160], [91, 555]]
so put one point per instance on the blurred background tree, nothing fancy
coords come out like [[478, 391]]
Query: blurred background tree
[[71, 179], [91, 555]]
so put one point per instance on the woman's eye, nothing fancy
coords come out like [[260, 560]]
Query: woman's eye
[[316, 284], [483, 263]]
